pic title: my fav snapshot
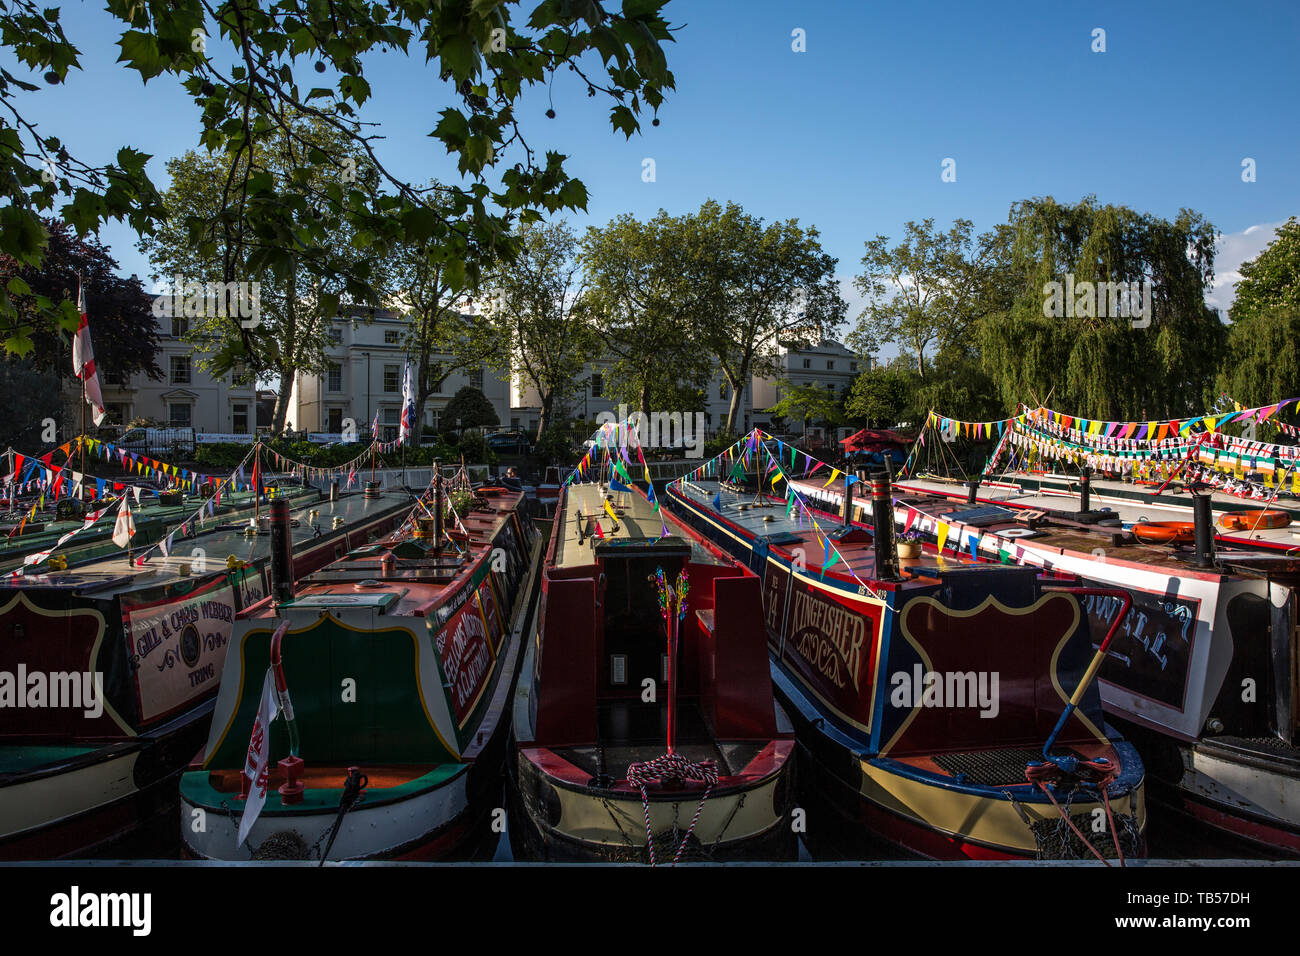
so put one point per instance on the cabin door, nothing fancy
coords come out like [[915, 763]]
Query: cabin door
[[631, 678]]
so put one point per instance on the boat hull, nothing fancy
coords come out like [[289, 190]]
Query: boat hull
[[115, 790], [860, 807], [554, 819]]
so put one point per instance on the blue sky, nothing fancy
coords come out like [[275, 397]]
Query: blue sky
[[850, 134]]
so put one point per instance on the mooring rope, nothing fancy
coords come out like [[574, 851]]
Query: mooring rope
[[668, 767]]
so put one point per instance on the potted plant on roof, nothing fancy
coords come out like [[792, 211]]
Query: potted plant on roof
[[909, 544]]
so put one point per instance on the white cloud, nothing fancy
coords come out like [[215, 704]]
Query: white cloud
[[1232, 250]]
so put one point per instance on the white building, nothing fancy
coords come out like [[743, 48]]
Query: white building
[[366, 358], [828, 365], [592, 399], [186, 397]]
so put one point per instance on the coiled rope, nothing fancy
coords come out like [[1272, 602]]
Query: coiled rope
[[671, 766], [1043, 774]]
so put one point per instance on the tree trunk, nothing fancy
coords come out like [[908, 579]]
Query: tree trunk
[[282, 396], [733, 409], [544, 417]]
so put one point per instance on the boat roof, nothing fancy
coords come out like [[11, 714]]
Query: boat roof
[[765, 517], [422, 578], [999, 510], [637, 521], [111, 576]]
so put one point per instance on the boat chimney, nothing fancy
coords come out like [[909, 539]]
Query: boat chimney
[[1085, 490], [972, 488], [281, 552], [437, 507], [846, 506], [1204, 525], [334, 490], [882, 526]]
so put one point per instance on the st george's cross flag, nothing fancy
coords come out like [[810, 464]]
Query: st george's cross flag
[[83, 359]]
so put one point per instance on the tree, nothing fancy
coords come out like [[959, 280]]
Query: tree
[[1261, 361], [470, 408], [1272, 278], [809, 403], [444, 335], [760, 287], [28, 395], [1156, 362], [881, 396], [924, 293], [538, 302], [484, 53], [193, 246], [645, 306], [123, 332]]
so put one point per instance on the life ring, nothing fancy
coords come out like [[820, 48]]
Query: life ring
[[1254, 520], [1165, 532]]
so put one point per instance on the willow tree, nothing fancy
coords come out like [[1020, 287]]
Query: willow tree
[[1107, 311]]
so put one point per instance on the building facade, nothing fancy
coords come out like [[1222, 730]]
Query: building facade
[[186, 397], [826, 365], [366, 357]]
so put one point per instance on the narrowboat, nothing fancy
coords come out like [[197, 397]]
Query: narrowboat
[[942, 708], [109, 671], [645, 728], [1202, 676], [392, 667]]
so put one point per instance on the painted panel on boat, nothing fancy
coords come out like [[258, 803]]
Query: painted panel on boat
[[965, 675], [1153, 649], [466, 657], [178, 646], [829, 642]]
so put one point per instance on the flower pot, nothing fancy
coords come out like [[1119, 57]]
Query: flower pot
[[909, 549]]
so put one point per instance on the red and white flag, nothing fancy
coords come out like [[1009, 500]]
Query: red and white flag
[[83, 359], [255, 763], [124, 528]]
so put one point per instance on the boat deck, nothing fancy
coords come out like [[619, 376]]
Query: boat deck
[[421, 576], [118, 574], [765, 517], [1130, 503], [637, 520]]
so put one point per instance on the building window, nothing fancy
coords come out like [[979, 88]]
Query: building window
[[392, 378], [334, 421], [239, 419], [722, 390], [853, 366], [334, 379], [179, 416], [336, 336], [180, 327], [180, 370], [476, 379], [117, 413], [392, 419], [438, 385], [807, 363], [514, 423], [830, 365], [597, 384], [392, 336]]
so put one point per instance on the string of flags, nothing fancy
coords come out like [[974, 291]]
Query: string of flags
[[208, 509]]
